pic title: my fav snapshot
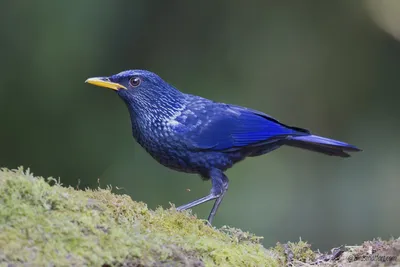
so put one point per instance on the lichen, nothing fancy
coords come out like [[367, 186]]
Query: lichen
[[44, 223]]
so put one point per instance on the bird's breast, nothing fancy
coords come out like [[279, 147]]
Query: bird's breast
[[168, 141], [162, 143]]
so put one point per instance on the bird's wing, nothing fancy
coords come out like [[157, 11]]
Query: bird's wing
[[230, 128]]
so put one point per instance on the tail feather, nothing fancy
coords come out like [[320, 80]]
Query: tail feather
[[322, 145]]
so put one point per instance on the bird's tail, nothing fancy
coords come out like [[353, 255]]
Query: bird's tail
[[322, 145]]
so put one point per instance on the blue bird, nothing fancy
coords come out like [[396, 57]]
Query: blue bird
[[192, 134]]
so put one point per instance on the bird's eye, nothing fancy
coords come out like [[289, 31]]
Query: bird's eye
[[135, 81]]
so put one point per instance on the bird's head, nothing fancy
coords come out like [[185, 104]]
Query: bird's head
[[143, 91]]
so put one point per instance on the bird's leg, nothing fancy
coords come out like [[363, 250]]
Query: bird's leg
[[197, 202], [219, 187]]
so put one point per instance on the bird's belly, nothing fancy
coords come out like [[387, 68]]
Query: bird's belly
[[172, 154], [195, 161]]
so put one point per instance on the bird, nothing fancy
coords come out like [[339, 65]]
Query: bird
[[192, 134]]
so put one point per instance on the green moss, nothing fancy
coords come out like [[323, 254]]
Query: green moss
[[43, 224], [295, 252]]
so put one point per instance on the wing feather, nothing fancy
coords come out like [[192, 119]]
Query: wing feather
[[234, 128]]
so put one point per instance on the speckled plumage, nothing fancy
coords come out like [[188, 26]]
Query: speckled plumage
[[192, 134]]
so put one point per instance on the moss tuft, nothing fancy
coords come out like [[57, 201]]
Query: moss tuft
[[295, 253]]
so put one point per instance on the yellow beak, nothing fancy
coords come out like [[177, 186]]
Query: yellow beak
[[105, 82]]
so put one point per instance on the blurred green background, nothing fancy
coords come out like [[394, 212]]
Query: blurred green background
[[323, 65]]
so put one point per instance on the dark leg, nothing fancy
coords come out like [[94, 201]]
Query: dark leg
[[219, 187], [197, 202]]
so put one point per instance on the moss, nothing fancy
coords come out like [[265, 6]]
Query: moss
[[43, 224], [295, 252], [371, 253]]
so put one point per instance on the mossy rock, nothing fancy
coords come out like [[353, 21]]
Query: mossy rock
[[43, 223]]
